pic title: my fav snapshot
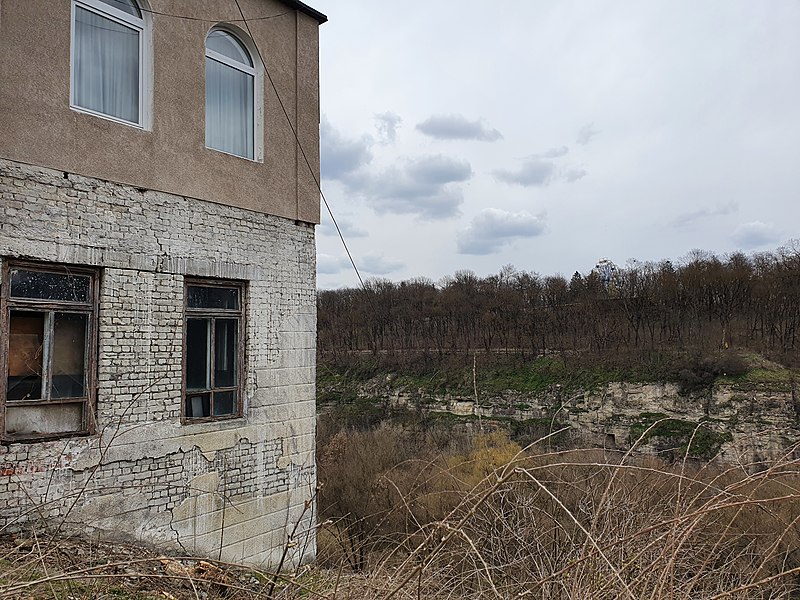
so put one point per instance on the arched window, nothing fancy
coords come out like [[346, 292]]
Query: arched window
[[108, 49], [230, 95]]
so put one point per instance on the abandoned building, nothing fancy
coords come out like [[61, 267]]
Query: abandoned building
[[158, 195]]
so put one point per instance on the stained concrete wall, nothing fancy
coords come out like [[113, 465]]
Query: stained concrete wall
[[39, 127], [228, 489]]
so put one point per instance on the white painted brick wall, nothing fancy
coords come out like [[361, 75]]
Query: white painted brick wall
[[230, 489]]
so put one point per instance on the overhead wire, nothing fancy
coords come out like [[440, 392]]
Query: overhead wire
[[246, 21], [300, 145], [223, 20]]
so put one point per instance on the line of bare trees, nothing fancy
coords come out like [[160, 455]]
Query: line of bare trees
[[705, 301]]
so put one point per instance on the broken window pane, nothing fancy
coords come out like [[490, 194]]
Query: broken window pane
[[25, 355], [224, 403], [49, 325], [213, 297], [42, 285], [69, 356], [225, 349], [198, 355]]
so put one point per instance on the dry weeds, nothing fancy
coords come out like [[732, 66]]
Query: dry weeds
[[482, 519]]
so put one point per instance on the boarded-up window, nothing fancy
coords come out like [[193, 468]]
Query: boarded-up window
[[213, 351], [49, 318]]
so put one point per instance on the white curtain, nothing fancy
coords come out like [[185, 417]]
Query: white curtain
[[229, 109], [106, 67]]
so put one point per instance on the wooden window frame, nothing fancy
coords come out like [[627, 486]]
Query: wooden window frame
[[90, 308], [213, 313]]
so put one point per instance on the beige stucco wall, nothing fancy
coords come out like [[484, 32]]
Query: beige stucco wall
[[38, 127]]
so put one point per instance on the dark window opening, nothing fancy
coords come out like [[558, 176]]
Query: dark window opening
[[69, 356], [198, 356], [213, 297], [213, 350]]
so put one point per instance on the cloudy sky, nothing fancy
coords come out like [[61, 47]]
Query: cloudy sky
[[548, 134]]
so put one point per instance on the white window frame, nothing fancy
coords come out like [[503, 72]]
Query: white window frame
[[142, 25], [257, 71]]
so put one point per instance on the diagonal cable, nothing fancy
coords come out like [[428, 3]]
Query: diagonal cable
[[299, 145]]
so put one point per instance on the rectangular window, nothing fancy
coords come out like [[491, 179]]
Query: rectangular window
[[229, 109], [49, 319], [213, 350]]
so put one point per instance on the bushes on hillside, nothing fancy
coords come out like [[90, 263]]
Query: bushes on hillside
[[430, 515]]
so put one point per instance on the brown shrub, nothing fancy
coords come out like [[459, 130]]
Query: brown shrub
[[479, 517]]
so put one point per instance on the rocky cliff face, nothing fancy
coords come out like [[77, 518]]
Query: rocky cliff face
[[745, 424]]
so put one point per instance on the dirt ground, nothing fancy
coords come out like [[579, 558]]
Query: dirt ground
[[75, 568]]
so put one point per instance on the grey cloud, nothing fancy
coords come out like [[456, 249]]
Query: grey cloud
[[387, 124], [586, 133], [572, 175], [534, 171], [378, 265], [426, 186], [437, 170], [340, 156], [458, 127], [555, 152], [424, 201], [720, 210], [330, 265], [492, 228], [755, 234], [540, 170], [349, 230]]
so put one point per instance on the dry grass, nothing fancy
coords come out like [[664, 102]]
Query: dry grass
[[568, 525], [419, 515]]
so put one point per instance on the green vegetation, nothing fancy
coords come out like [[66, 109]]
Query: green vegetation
[[343, 379], [695, 440], [548, 373], [359, 391]]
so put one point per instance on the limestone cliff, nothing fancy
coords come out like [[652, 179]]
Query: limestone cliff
[[745, 422]]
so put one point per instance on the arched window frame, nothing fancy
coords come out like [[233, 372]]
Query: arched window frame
[[143, 25], [256, 71]]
